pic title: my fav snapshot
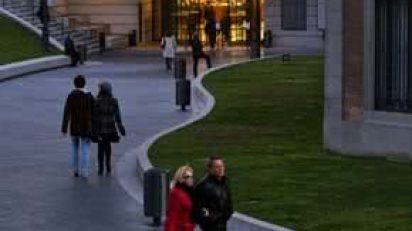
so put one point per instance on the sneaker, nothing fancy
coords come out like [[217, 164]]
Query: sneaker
[[76, 174]]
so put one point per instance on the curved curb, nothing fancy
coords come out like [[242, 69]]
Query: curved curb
[[29, 26], [203, 105], [19, 69]]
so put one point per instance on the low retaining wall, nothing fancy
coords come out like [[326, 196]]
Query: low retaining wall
[[202, 104], [13, 70]]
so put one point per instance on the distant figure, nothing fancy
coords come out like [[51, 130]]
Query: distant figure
[[213, 199], [78, 112], [226, 29], [70, 50], [180, 202], [44, 17], [168, 45], [197, 53], [107, 121], [210, 29]]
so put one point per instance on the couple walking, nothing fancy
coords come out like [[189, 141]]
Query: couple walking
[[91, 119], [209, 204]]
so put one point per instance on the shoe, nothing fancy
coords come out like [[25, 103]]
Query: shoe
[[99, 173], [76, 174]]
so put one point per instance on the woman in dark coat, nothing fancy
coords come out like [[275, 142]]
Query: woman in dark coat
[[107, 121], [180, 204]]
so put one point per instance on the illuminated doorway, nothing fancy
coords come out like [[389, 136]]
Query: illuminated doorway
[[230, 16]]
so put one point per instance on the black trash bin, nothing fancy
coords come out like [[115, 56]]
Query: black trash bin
[[156, 190], [132, 38], [268, 38], [82, 52], [182, 84], [102, 42]]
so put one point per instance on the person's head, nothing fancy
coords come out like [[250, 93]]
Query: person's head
[[168, 33], [216, 167], [105, 89], [79, 81], [184, 175]]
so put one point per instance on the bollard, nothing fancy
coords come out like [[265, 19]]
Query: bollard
[[182, 84], [82, 53], [156, 190], [102, 42], [132, 38]]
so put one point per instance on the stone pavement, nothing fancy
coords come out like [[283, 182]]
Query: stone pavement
[[37, 190]]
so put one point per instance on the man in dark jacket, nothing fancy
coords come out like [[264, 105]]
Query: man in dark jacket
[[197, 53], [212, 198], [78, 113]]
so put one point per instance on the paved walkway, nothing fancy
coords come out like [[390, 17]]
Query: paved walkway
[[37, 190]]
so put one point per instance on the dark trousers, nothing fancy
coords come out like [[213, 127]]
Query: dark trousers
[[212, 40], [196, 62], [168, 63], [104, 154]]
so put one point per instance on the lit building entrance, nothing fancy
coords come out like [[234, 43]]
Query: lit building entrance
[[230, 18]]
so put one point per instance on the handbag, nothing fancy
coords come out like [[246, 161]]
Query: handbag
[[114, 137]]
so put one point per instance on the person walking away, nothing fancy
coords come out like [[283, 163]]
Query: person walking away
[[78, 112], [212, 198], [197, 53], [169, 45], [180, 202], [70, 50], [107, 121]]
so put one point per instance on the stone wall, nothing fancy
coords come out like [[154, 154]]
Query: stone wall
[[311, 37]]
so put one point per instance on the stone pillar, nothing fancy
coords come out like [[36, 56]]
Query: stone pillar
[[353, 60]]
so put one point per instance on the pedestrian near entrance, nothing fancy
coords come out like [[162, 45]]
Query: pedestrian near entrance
[[197, 53], [168, 45], [212, 198], [210, 29], [78, 111], [107, 122], [180, 202]]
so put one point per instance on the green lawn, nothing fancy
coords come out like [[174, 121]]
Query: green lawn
[[267, 124], [17, 43]]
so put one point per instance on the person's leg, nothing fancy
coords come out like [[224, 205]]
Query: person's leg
[[75, 155], [85, 158], [169, 63], [100, 157], [207, 58], [108, 156], [195, 63]]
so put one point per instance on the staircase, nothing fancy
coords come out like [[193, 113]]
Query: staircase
[[82, 33]]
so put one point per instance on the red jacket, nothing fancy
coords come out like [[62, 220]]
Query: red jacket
[[179, 211]]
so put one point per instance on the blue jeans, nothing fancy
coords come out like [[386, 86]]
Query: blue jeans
[[82, 166]]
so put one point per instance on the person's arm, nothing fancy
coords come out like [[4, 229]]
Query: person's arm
[[66, 116], [172, 211], [229, 210], [118, 118]]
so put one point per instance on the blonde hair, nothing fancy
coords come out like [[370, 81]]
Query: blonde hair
[[178, 178]]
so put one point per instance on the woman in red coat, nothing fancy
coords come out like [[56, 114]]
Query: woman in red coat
[[179, 207]]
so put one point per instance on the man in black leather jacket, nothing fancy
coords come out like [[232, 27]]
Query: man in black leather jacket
[[212, 198]]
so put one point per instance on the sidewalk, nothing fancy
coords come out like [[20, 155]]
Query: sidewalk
[[37, 189]]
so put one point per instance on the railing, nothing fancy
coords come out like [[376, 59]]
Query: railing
[[74, 22]]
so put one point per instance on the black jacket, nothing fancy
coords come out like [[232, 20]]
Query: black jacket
[[214, 197], [107, 116], [78, 112]]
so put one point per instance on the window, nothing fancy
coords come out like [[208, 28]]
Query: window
[[293, 14], [393, 55]]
